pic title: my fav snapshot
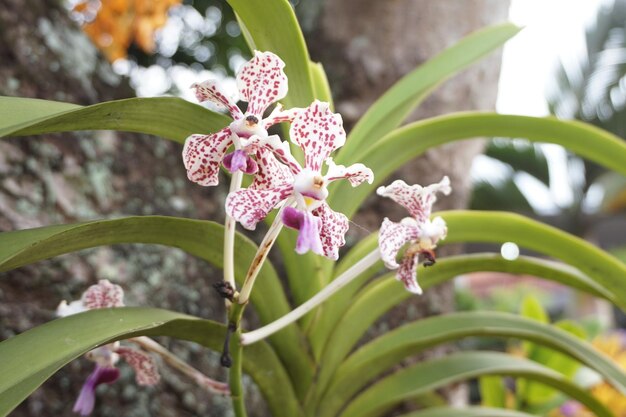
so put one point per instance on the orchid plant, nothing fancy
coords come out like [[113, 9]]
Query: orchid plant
[[284, 157]]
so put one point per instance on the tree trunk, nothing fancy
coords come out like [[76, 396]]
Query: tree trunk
[[367, 45]]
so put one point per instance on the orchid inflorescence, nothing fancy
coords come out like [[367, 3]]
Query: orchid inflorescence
[[280, 181]]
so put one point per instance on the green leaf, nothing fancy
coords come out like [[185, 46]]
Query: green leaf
[[390, 110], [430, 375], [466, 412], [38, 353], [537, 394], [414, 139], [200, 238], [167, 117], [498, 227], [532, 309], [271, 25], [492, 391], [386, 351], [360, 311], [320, 83]]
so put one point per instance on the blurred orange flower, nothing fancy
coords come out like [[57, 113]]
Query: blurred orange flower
[[614, 346], [118, 23]]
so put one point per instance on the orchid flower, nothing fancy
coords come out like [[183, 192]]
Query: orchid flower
[[419, 231], [261, 82], [302, 191], [107, 295]]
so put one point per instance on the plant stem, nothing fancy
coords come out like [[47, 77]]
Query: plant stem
[[344, 279], [229, 237], [259, 257], [202, 380], [236, 356]]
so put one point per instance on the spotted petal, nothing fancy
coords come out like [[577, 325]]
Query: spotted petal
[[279, 115], [103, 295], [407, 273], [416, 199], [318, 131], [211, 91], [262, 82], [333, 232], [392, 237], [355, 173], [271, 173], [146, 371], [250, 206], [203, 155]]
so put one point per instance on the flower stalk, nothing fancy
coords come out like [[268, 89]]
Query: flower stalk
[[344, 279], [259, 257], [235, 357], [198, 377], [229, 237]]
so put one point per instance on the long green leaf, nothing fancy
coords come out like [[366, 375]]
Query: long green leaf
[[200, 238], [271, 25], [360, 311], [36, 354], [467, 412], [498, 227], [390, 110], [167, 117], [433, 374], [414, 139], [320, 83], [386, 351]]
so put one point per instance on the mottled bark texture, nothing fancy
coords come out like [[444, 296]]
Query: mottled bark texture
[[66, 178], [367, 45]]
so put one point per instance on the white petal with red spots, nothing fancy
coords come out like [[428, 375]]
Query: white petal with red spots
[[333, 232], [355, 173], [144, 365], [250, 206], [103, 295], [407, 273], [416, 199], [203, 154], [318, 131], [211, 91], [392, 237], [271, 173], [262, 82]]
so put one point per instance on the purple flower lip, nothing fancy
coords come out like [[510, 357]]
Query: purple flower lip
[[87, 398], [308, 226], [240, 160]]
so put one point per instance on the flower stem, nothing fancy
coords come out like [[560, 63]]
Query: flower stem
[[259, 258], [183, 367], [344, 279], [229, 236], [236, 357]]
